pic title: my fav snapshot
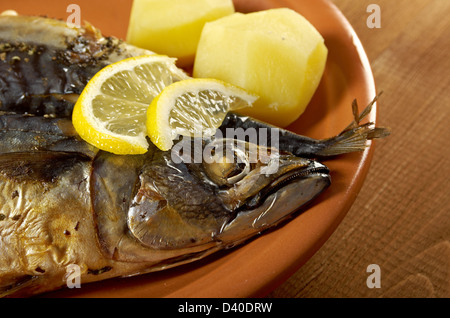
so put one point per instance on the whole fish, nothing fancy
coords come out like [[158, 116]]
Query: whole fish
[[64, 203]]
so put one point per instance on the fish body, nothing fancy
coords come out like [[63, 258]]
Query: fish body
[[64, 203]]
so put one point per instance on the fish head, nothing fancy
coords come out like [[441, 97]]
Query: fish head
[[261, 186], [234, 190], [247, 174], [167, 209]]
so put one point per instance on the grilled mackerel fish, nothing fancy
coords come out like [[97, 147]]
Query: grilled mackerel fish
[[64, 203]]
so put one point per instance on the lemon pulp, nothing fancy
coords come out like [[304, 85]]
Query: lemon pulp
[[111, 111], [193, 107]]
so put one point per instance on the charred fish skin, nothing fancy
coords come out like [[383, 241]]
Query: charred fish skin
[[44, 64]]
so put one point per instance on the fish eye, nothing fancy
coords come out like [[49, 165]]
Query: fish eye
[[230, 165]]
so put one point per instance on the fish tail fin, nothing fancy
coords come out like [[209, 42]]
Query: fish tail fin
[[355, 136]]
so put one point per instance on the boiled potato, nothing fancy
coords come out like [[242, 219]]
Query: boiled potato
[[277, 54], [173, 27]]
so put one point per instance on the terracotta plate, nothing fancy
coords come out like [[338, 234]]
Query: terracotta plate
[[257, 267]]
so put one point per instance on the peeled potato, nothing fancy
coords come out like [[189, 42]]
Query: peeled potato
[[173, 27], [277, 54]]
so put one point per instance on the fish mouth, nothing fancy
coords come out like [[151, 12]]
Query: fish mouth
[[314, 169]]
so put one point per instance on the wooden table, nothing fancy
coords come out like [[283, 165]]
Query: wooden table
[[401, 218]]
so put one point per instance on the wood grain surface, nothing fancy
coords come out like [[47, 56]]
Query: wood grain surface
[[401, 218]]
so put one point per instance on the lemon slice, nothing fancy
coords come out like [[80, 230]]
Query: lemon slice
[[193, 107], [111, 111]]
